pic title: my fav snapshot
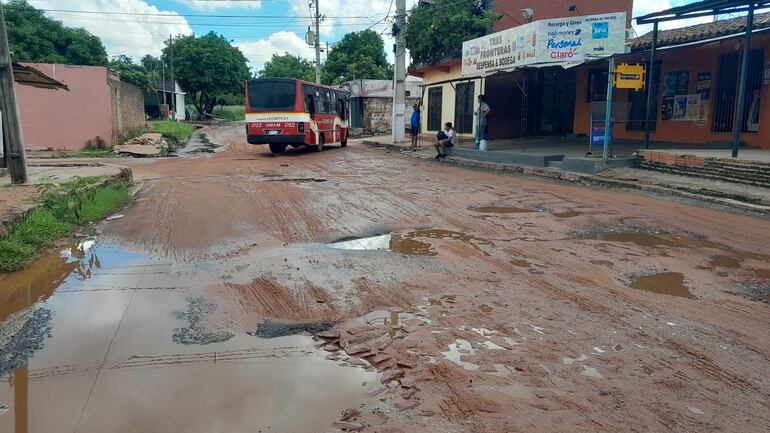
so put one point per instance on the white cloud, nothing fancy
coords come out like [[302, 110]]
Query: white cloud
[[132, 35], [259, 51], [213, 5], [643, 7]]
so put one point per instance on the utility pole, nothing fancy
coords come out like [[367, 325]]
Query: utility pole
[[317, 42], [13, 140], [399, 75], [173, 83]]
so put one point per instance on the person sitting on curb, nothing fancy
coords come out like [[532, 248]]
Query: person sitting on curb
[[444, 139]]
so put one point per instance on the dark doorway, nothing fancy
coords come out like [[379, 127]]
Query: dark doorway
[[551, 100], [505, 98], [464, 107], [435, 98], [638, 101]]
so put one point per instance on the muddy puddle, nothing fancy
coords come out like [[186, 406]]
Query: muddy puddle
[[198, 144], [567, 214], [664, 283], [408, 243], [501, 209], [94, 339]]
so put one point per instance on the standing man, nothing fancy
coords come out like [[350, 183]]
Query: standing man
[[481, 122], [415, 125]]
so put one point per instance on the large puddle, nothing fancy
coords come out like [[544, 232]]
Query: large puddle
[[96, 339], [664, 283], [415, 242]]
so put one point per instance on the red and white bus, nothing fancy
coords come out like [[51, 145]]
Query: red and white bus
[[283, 111]]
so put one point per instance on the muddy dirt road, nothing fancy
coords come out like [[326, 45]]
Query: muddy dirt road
[[364, 291]]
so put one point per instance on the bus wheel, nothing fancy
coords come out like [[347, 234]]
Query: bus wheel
[[320, 145], [278, 147]]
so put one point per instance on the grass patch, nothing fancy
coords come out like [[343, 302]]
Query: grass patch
[[178, 130], [174, 132], [229, 112], [92, 153], [62, 208]]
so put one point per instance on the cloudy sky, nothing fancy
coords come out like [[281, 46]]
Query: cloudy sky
[[259, 27]]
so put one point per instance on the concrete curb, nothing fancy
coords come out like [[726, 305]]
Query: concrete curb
[[734, 201]]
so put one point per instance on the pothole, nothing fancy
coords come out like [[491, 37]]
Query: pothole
[[271, 329], [664, 283], [501, 209], [406, 243]]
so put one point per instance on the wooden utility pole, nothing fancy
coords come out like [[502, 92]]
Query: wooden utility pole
[[13, 141]]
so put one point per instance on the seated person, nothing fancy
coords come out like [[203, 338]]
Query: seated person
[[444, 139]]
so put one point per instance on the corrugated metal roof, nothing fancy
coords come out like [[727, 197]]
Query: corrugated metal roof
[[699, 32], [29, 76]]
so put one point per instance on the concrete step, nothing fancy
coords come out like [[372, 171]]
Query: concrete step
[[702, 175]]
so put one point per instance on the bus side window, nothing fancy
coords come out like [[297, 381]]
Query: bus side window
[[327, 102], [341, 108], [318, 101]]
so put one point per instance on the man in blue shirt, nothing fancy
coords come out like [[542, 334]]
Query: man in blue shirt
[[415, 125]]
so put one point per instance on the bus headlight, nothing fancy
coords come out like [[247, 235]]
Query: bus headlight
[[301, 127]]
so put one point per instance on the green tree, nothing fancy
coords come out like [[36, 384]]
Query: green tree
[[33, 37], [152, 64], [206, 68], [288, 66], [436, 30], [357, 55], [133, 73]]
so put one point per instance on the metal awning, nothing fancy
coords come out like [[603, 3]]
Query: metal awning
[[703, 9], [29, 76]]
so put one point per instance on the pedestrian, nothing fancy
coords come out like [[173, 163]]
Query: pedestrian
[[481, 122], [444, 139], [415, 125]]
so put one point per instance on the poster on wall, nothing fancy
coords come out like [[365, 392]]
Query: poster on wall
[[567, 40], [597, 134], [667, 108], [703, 85], [687, 108], [676, 83]]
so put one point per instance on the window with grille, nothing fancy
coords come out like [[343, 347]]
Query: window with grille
[[727, 92]]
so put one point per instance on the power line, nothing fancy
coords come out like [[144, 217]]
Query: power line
[[177, 15]]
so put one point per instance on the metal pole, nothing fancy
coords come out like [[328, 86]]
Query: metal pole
[[608, 109], [738, 122], [317, 43], [16, 158], [650, 83], [173, 82], [399, 76]]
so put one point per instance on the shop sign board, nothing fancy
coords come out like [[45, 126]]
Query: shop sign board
[[561, 40]]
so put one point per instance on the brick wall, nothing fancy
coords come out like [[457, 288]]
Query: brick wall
[[378, 114], [127, 108]]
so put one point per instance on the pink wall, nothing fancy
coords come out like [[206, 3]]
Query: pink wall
[[66, 120]]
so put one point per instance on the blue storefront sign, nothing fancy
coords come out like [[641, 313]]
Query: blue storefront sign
[[597, 134]]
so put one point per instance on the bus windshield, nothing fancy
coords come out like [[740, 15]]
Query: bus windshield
[[272, 95]]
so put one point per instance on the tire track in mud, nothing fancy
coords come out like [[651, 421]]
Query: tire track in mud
[[267, 298], [170, 360]]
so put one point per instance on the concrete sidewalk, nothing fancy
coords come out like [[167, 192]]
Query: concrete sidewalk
[[743, 197], [17, 200]]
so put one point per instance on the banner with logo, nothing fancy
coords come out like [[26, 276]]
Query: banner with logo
[[567, 40]]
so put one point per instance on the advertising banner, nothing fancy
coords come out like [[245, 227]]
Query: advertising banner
[[567, 40]]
